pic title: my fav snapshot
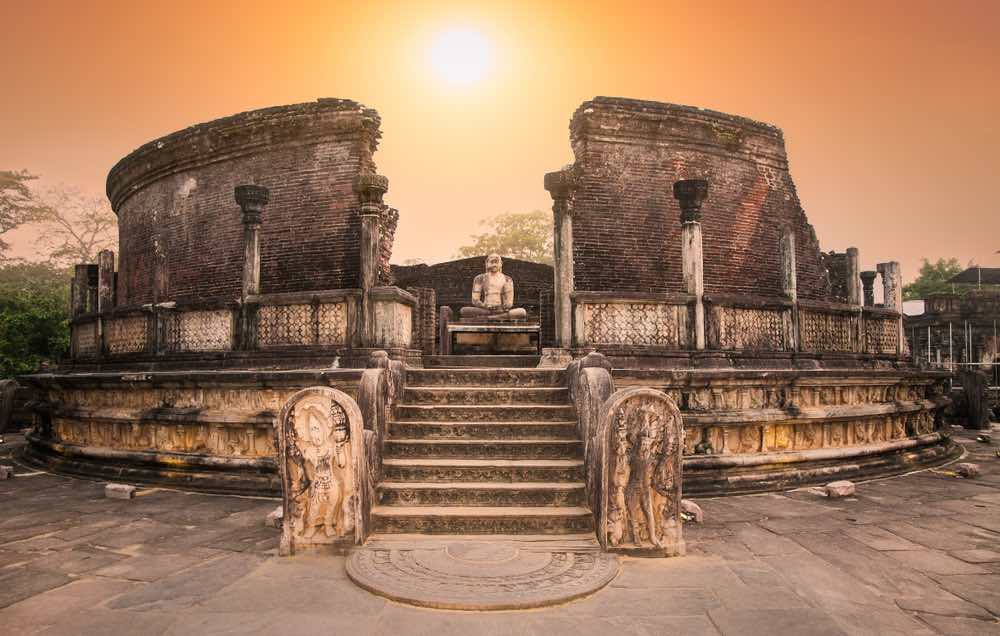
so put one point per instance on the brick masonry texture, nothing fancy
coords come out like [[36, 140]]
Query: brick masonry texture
[[180, 225], [836, 270], [452, 281], [626, 223]]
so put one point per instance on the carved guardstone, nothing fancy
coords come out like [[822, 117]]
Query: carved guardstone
[[323, 472], [639, 495]]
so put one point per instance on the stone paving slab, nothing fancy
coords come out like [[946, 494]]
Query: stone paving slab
[[911, 555]]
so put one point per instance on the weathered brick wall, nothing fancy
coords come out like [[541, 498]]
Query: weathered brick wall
[[175, 205], [626, 223], [452, 281]]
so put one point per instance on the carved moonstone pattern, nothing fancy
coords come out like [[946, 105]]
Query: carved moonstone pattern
[[641, 433], [324, 477], [125, 335], [653, 324]]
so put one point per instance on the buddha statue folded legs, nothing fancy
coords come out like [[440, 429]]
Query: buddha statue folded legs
[[493, 294]]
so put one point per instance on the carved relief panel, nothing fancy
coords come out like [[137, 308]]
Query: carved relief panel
[[323, 470], [642, 439]]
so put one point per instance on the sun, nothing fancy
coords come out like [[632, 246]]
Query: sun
[[460, 56]]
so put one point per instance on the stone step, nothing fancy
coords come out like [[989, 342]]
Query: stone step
[[486, 413], [483, 430], [491, 378], [490, 493], [481, 519], [455, 470], [456, 396], [480, 362], [484, 449]]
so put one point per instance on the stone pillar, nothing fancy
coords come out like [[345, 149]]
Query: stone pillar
[[105, 280], [868, 282], [892, 288], [79, 289], [789, 287], [560, 186], [690, 194], [252, 199], [853, 280], [370, 189]]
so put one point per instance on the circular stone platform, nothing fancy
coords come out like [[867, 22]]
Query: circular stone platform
[[480, 575]]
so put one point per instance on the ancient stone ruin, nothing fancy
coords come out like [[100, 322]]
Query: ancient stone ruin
[[691, 337]]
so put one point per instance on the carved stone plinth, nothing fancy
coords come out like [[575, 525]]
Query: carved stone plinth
[[641, 436], [325, 480]]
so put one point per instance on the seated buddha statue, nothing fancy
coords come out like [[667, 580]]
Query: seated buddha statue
[[493, 294]]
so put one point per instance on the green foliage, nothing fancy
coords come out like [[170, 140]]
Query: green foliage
[[933, 279], [34, 316], [523, 235], [17, 203]]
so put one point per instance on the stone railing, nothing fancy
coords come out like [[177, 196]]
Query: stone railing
[[321, 320], [737, 323], [827, 327], [633, 320]]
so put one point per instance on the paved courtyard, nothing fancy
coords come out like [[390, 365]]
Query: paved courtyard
[[917, 554]]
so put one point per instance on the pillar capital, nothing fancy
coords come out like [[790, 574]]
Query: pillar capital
[[868, 283], [252, 199], [560, 184], [690, 194], [370, 188]]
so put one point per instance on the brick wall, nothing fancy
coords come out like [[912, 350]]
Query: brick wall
[[626, 223], [452, 281], [175, 205], [835, 264]]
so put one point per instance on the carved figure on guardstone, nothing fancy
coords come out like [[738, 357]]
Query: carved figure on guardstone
[[642, 435], [322, 463], [493, 294]]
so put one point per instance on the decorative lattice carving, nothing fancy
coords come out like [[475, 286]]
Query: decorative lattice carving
[[826, 331], [85, 342], [332, 323], [756, 329], [881, 335], [125, 335], [284, 325], [200, 331], [653, 324]]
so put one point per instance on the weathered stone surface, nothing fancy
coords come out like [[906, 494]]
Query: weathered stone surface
[[840, 489], [6, 472], [692, 510], [119, 491], [275, 517], [967, 470]]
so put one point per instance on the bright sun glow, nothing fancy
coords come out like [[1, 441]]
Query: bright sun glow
[[460, 56]]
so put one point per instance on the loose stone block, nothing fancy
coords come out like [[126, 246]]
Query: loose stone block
[[275, 517], [692, 510], [967, 470], [119, 491], [840, 489], [6, 472]]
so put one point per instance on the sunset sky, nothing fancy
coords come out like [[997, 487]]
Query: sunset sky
[[891, 110]]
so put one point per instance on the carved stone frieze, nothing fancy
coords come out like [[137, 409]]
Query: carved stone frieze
[[85, 341], [820, 331], [125, 335], [284, 325], [641, 435], [324, 474], [203, 330], [651, 324], [881, 334], [737, 328]]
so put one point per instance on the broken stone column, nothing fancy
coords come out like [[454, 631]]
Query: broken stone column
[[892, 288], [79, 289], [868, 282], [370, 189], [853, 279], [105, 280], [252, 199], [789, 285], [690, 194], [560, 186]]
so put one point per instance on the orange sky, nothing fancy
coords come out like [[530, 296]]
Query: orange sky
[[890, 109]]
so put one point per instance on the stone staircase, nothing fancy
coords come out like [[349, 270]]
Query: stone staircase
[[483, 451]]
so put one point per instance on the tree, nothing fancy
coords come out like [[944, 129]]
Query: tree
[[18, 204], [933, 279], [74, 226], [523, 235], [34, 316]]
